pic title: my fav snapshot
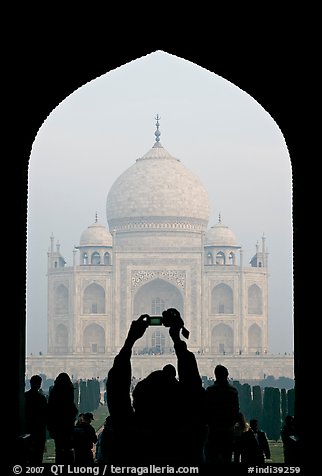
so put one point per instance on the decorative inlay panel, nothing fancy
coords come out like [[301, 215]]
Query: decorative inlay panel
[[139, 277]]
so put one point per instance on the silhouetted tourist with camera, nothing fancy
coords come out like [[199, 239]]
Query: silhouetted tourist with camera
[[36, 420], [163, 425], [62, 413], [222, 412]]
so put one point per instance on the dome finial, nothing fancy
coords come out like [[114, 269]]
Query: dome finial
[[219, 218], [96, 217], [157, 132]]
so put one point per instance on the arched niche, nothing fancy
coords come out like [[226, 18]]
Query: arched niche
[[222, 339], [94, 339], [222, 299], [94, 299]]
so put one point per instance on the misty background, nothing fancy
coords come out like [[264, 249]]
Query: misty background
[[217, 130]]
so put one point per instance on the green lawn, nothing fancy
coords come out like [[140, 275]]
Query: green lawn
[[276, 448]]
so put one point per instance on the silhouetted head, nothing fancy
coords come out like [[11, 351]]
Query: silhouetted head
[[63, 380], [35, 382], [221, 372], [253, 424], [156, 396], [88, 417], [148, 389], [170, 370]]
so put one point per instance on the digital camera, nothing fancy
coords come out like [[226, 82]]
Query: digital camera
[[155, 320], [170, 317]]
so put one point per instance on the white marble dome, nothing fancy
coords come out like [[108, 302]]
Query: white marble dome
[[156, 188], [96, 235], [220, 235]]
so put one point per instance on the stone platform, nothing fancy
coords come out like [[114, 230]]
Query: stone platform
[[241, 367]]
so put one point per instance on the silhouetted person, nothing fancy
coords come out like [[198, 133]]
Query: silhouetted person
[[164, 424], [62, 413], [36, 420], [290, 441], [84, 439], [254, 444], [222, 408], [240, 427]]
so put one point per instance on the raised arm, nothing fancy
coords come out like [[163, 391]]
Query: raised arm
[[187, 365], [193, 396], [118, 383]]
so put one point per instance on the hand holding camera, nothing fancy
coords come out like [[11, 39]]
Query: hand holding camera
[[170, 318], [138, 328]]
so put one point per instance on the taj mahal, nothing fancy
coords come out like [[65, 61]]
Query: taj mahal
[[158, 251]]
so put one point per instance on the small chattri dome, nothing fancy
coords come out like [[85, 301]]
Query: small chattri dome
[[220, 235], [96, 235]]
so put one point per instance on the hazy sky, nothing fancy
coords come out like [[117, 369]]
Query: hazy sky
[[217, 130]]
